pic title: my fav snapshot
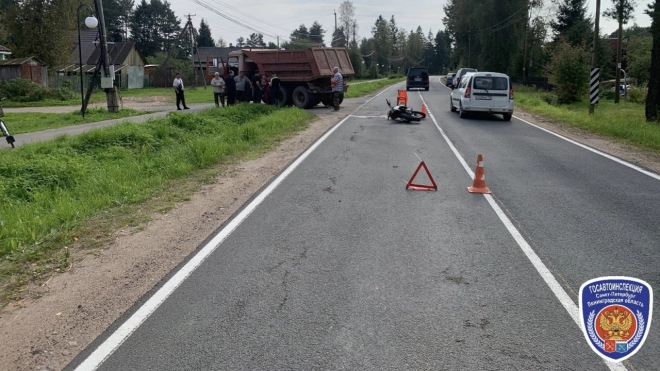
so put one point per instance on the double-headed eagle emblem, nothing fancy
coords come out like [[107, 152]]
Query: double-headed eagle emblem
[[616, 324]]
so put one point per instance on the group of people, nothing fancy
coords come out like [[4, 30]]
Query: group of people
[[261, 88]]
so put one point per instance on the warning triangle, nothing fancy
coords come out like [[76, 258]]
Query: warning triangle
[[420, 187]]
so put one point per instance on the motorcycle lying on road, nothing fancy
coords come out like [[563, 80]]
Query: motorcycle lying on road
[[403, 113], [5, 132]]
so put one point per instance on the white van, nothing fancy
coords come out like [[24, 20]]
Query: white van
[[483, 92]]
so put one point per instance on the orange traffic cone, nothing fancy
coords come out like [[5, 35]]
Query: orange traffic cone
[[402, 98], [424, 110], [479, 183]]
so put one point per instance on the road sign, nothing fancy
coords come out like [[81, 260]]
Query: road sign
[[594, 83]]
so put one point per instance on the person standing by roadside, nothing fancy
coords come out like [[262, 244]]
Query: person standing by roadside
[[337, 84], [178, 90], [218, 89], [231, 89], [274, 91], [257, 88], [241, 86]]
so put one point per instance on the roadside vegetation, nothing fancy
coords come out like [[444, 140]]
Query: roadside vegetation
[[59, 191], [365, 88], [624, 121], [20, 123]]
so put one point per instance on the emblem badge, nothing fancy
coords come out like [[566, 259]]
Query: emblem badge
[[615, 313]]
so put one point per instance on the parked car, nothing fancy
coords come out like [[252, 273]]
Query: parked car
[[459, 75], [418, 77], [483, 92], [450, 79]]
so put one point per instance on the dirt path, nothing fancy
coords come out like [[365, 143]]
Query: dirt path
[[77, 306]]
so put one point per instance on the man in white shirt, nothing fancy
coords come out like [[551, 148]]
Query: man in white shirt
[[178, 90]]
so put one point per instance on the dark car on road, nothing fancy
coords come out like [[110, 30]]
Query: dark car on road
[[418, 77], [450, 80], [459, 74]]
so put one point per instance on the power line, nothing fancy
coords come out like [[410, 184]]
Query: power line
[[247, 15], [211, 8], [501, 27]]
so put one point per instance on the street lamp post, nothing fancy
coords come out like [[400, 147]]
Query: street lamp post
[[90, 22]]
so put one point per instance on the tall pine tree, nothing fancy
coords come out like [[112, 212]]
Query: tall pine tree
[[572, 23], [204, 38]]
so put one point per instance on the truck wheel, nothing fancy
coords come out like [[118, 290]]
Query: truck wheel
[[302, 98], [285, 96]]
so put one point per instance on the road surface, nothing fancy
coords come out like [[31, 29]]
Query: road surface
[[336, 266]]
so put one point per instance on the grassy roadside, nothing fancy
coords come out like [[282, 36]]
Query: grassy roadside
[[363, 89], [624, 121], [56, 191], [20, 123]]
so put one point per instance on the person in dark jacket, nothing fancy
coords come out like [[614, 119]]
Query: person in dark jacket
[[230, 84], [274, 93]]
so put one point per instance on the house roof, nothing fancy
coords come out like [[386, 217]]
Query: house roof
[[87, 39], [4, 50], [20, 61], [91, 52], [118, 53], [214, 52]]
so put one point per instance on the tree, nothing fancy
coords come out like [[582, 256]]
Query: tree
[[256, 41], [572, 22], [638, 56], [240, 42], [621, 12], [155, 27], [339, 38], [221, 43], [204, 38], [316, 34], [653, 95], [271, 45], [569, 72], [347, 21], [41, 28]]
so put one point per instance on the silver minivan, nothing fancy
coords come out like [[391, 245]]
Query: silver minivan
[[483, 92]]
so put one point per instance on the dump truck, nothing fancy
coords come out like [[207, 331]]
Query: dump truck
[[304, 74]]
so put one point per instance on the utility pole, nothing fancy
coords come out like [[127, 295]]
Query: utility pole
[[618, 52], [594, 62], [525, 47], [335, 20], [469, 49], [278, 42], [107, 71], [191, 41]]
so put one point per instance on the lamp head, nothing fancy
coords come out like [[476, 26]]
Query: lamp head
[[91, 22]]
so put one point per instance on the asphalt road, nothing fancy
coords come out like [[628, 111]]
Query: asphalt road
[[341, 268]]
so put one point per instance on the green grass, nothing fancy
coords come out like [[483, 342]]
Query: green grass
[[19, 123], [624, 121], [361, 90], [52, 190]]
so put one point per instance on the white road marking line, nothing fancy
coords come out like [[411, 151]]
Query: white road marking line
[[112, 343], [369, 117], [545, 273], [606, 155]]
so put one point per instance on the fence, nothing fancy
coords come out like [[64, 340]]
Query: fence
[[73, 81]]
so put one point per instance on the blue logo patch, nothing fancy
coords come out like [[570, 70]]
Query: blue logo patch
[[616, 315]]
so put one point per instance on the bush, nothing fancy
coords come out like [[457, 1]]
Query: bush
[[568, 72], [22, 90], [637, 95], [550, 99]]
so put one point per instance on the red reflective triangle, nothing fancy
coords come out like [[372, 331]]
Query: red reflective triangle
[[420, 187]]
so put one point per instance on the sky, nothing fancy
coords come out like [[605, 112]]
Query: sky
[[280, 17]]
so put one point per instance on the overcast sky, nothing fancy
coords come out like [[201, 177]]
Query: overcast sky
[[280, 17]]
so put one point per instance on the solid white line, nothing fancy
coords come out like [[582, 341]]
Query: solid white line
[[622, 162], [127, 328], [368, 117], [606, 155], [545, 273]]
